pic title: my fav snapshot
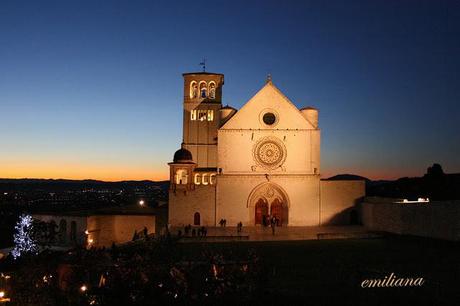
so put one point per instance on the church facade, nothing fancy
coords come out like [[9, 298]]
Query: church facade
[[259, 162]]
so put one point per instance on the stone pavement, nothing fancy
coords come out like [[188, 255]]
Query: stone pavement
[[259, 233]]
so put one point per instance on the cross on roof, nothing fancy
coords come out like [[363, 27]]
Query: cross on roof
[[203, 63]]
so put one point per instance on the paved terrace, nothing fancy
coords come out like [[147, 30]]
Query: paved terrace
[[259, 233]]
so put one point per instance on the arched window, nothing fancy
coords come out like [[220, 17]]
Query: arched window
[[203, 89], [210, 115], [193, 114], [212, 179], [193, 90], [196, 219], [197, 179], [202, 114], [212, 90], [181, 177], [205, 179], [73, 231]]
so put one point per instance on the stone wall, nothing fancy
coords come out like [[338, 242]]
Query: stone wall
[[64, 228], [302, 195], [339, 200], [107, 229], [183, 206], [435, 219], [103, 230]]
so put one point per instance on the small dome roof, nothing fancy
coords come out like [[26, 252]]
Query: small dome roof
[[227, 107], [308, 107], [183, 156]]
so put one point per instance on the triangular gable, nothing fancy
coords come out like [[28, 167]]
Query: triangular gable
[[268, 98]]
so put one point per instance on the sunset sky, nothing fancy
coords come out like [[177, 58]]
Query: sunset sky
[[93, 89]]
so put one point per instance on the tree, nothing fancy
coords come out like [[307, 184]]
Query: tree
[[23, 241], [435, 171]]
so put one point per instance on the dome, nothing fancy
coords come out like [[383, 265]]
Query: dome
[[311, 114], [183, 156], [228, 107], [226, 113]]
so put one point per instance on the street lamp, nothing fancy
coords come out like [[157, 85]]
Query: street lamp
[[4, 299], [141, 202]]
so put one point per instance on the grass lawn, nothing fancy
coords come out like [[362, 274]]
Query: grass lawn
[[322, 272]]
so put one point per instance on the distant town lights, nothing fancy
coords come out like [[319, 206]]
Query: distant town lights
[[419, 200]]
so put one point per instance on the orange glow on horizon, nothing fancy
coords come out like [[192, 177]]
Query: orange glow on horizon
[[81, 172], [115, 174], [112, 172]]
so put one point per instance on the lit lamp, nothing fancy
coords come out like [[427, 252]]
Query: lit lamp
[[83, 288], [141, 202], [3, 299]]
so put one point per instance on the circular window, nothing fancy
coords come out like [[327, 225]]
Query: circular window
[[269, 152], [269, 118]]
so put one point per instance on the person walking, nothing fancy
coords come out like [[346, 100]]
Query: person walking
[[239, 227]]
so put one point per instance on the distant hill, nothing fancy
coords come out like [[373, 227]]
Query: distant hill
[[435, 184], [438, 187], [347, 177], [53, 185]]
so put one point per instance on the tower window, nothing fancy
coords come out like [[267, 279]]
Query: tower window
[[212, 90], [203, 89], [193, 89], [202, 114], [181, 177], [193, 114]]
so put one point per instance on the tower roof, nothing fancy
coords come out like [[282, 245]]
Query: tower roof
[[183, 156], [201, 72]]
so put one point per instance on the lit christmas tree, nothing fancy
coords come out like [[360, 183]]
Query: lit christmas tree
[[23, 240]]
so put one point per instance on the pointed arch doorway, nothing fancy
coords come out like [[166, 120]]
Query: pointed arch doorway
[[268, 200], [261, 211]]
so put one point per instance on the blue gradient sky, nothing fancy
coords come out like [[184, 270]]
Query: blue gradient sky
[[93, 89]]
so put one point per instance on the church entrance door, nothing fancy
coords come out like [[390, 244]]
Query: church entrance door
[[196, 219], [261, 211], [276, 209]]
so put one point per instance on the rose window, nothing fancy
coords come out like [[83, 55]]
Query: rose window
[[270, 153]]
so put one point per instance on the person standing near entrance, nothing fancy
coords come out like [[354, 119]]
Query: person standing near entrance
[[273, 224]]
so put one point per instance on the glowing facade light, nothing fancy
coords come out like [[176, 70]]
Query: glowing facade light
[[2, 294], [83, 288], [141, 202], [86, 232], [90, 240]]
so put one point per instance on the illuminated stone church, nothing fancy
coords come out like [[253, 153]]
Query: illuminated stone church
[[249, 164]]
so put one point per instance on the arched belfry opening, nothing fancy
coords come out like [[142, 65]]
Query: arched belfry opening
[[268, 200]]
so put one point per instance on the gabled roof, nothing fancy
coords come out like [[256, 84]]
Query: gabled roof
[[268, 99]]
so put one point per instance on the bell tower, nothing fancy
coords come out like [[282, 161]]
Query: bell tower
[[202, 102]]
